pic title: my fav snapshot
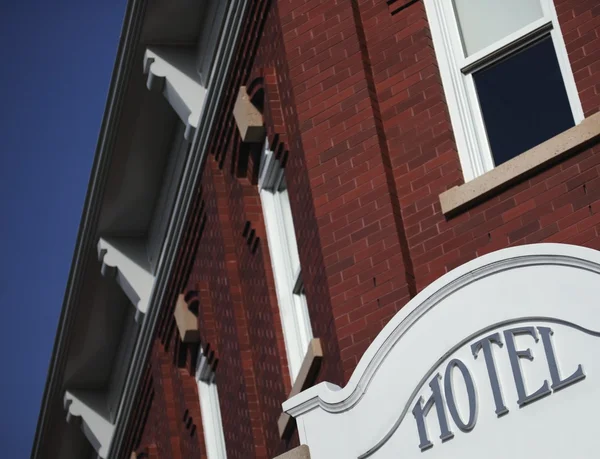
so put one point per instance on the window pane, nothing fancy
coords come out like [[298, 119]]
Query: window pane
[[484, 22], [523, 101]]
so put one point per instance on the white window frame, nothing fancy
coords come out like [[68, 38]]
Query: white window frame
[[283, 249], [212, 424], [457, 76]]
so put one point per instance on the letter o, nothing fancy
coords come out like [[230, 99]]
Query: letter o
[[468, 426]]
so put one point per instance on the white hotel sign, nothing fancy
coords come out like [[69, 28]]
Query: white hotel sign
[[499, 358]]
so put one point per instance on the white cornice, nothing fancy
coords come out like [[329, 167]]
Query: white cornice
[[126, 260], [183, 204], [86, 406], [86, 238], [173, 72]]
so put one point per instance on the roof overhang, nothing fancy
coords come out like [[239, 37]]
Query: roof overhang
[[136, 131]]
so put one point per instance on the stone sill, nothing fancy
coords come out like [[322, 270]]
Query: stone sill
[[306, 378], [459, 198], [301, 452]]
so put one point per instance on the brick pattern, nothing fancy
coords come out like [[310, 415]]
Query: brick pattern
[[212, 266], [580, 24], [283, 128], [340, 142], [354, 107]]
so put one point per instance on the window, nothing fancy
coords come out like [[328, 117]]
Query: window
[[283, 249], [209, 409], [506, 76]]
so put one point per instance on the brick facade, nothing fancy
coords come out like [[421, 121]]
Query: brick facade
[[353, 105]]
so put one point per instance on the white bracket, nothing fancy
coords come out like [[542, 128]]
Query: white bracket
[[126, 260], [173, 72], [86, 407]]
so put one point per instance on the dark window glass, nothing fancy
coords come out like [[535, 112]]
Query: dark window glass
[[523, 100]]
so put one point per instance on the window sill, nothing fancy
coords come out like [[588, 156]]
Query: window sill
[[461, 197], [301, 452], [306, 378]]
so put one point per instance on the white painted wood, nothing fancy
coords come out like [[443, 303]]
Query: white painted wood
[[497, 50], [173, 71], [212, 424], [478, 30], [209, 35], [283, 249], [226, 46], [473, 151], [549, 285], [456, 72], [564, 61], [126, 260], [89, 407], [121, 365], [168, 193]]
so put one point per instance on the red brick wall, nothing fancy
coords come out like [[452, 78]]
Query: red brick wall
[[354, 106], [580, 25]]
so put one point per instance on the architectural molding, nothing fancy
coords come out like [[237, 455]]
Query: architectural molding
[[187, 321], [543, 278], [212, 423], [86, 240], [333, 399], [300, 452], [206, 364], [248, 118], [173, 72], [189, 186], [306, 378], [456, 72], [126, 260], [89, 407], [547, 153]]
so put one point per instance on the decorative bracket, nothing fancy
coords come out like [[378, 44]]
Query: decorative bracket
[[86, 406], [248, 119], [126, 260], [186, 320], [305, 379], [172, 71]]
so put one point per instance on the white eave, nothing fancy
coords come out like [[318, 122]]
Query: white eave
[[126, 260], [86, 407], [173, 71]]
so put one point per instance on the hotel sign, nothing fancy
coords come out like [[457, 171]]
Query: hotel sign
[[444, 400], [498, 358]]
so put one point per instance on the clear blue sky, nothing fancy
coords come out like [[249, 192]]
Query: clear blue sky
[[57, 58]]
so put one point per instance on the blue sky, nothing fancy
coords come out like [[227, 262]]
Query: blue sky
[[57, 59]]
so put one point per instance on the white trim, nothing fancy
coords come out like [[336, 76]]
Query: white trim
[[209, 35], [512, 42], [446, 39], [283, 249], [456, 73], [126, 260], [86, 236], [173, 71], [185, 196], [310, 406], [212, 423], [87, 406], [166, 197], [564, 62], [334, 399]]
